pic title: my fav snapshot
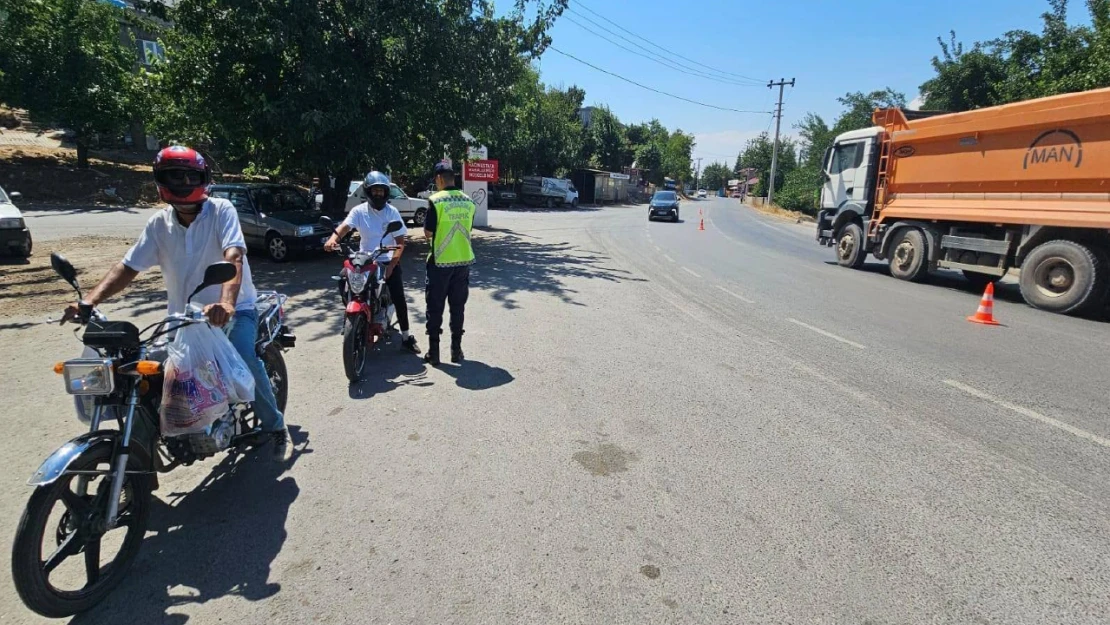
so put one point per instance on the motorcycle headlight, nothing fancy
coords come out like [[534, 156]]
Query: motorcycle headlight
[[89, 376], [357, 280], [304, 231], [15, 223]]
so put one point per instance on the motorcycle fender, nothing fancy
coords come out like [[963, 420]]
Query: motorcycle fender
[[54, 466], [356, 308]]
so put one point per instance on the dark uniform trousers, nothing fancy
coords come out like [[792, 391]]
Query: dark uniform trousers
[[446, 286]]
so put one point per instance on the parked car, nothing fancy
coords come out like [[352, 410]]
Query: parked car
[[702, 193], [280, 219], [664, 204], [502, 195], [412, 209], [15, 238]]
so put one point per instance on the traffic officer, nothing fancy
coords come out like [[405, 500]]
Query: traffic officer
[[447, 229]]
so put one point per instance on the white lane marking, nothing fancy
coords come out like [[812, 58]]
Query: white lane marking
[[826, 333], [691, 272], [1025, 412], [669, 259], [739, 297]]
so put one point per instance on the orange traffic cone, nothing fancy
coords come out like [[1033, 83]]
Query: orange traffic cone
[[985, 314], [701, 224]]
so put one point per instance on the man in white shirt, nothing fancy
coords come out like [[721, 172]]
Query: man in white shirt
[[371, 220], [183, 240]]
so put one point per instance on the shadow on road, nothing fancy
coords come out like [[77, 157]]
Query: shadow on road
[[477, 376], [75, 209], [387, 369], [523, 208], [217, 540], [6, 261]]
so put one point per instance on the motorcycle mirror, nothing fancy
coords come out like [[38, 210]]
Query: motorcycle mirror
[[65, 269], [326, 222], [394, 226], [216, 273]]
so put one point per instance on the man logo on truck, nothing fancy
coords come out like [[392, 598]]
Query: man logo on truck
[[1069, 152]]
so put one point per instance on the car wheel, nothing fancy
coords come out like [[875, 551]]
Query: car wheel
[[418, 217], [675, 220], [276, 248], [574, 203], [25, 252]]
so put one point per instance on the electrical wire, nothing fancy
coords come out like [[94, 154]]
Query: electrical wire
[[740, 76], [657, 58], [642, 86]]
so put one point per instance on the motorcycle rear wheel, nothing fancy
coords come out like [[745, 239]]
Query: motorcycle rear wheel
[[279, 377], [354, 347], [75, 534]]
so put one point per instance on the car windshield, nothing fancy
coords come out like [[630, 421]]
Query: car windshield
[[3, 196], [354, 187], [664, 196]]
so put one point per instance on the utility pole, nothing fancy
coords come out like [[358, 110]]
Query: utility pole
[[778, 123], [697, 176]]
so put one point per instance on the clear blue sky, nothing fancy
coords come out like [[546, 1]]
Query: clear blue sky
[[829, 46]]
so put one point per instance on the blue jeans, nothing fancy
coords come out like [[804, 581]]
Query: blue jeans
[[243, 335]]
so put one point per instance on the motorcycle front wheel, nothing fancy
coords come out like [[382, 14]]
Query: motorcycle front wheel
[[354, 347], [58, 565]]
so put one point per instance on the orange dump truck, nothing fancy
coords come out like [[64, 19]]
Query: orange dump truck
[[1024, 185]]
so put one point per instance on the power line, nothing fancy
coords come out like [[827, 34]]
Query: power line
[[740, 76], [671, 95], [685, 69]]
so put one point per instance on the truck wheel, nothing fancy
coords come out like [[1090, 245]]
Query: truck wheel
[[908, 255], [550, 203], [1064, 277], [979, 281], [849, 246]]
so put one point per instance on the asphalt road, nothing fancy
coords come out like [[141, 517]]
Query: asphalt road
[[657, 424]]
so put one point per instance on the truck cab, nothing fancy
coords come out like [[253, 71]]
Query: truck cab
[[848, 193]]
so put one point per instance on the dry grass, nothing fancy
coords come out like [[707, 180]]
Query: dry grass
[[781, 213]]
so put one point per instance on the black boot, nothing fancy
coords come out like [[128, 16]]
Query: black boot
[[432, 355], [456, 349]]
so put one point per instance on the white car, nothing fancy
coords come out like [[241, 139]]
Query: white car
[[701, 193], [411, 209], [15, 238]]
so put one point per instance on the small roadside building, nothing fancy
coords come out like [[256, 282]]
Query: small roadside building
[[596, 186]]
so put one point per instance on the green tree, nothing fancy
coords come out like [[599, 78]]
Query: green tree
[[608, 140], [715, 176], [676, 156], [757, 155], [66, 63], [649, 157], [859, 106], [337, 87], [1021, 65], [815, 136]]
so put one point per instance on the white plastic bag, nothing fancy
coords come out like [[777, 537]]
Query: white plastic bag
[[237, 376], [194, 394]]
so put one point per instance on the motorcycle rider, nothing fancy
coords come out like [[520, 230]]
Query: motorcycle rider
[[371, 225], [194, 232]]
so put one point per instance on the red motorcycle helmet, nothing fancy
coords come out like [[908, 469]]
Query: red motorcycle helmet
[[182, 175]]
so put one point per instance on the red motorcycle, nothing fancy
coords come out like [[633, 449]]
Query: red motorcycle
[[369, 311]]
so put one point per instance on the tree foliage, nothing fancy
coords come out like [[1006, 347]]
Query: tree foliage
[[1021, 65], [66, 62], [757, 155], [340, 86], [715, 176]]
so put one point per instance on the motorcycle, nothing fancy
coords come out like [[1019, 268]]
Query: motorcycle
[[369, 311], [104, 478]]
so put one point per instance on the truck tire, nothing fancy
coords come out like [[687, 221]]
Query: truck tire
[[849, 246], [1064, 277], [909, 255]]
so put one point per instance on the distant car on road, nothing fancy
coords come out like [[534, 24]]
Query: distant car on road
[[663, 204], [15, 238], [280, 219], [701, 193]]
